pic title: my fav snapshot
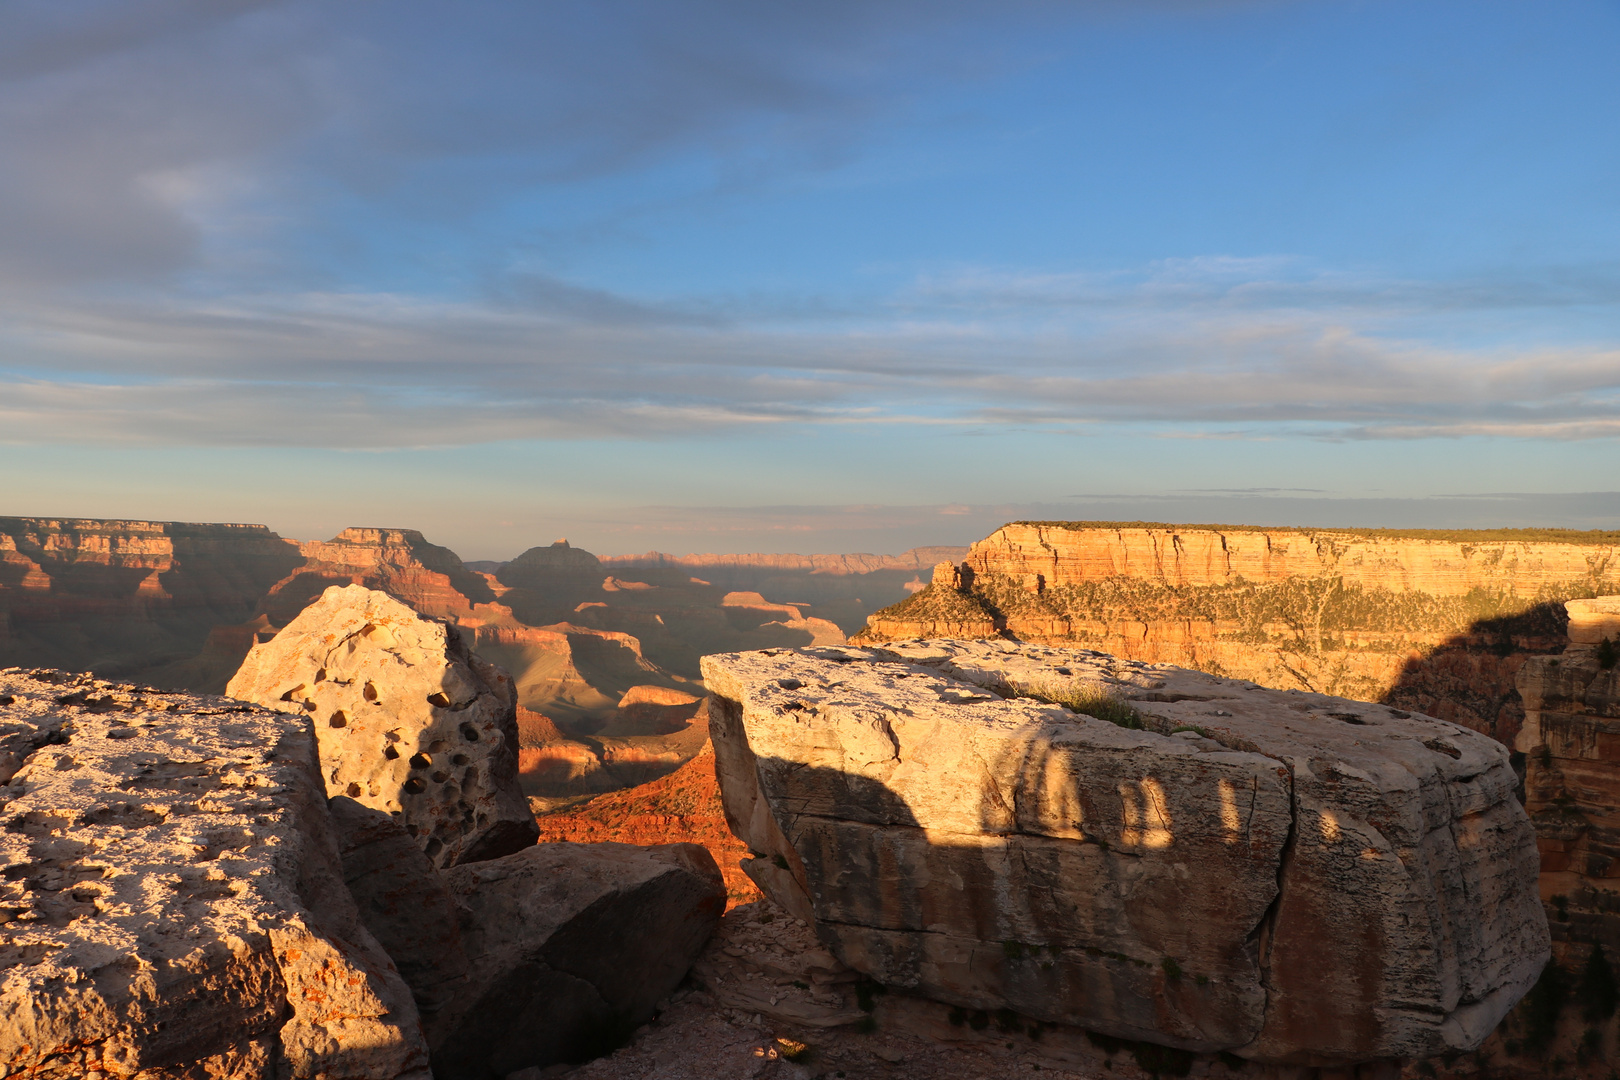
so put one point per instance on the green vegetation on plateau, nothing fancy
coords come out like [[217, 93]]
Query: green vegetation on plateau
[[935, 604], [1317, 610]]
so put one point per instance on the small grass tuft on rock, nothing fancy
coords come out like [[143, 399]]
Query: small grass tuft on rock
[[1095, 699]]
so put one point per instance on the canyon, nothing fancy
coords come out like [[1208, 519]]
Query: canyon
[[185, 900], [178, 606], [613, 721]]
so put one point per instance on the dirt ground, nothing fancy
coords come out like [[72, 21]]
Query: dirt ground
[[767, 1002]]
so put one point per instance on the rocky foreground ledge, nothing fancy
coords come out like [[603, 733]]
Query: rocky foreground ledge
[[173, 899], [1292, 878], [182, 900]]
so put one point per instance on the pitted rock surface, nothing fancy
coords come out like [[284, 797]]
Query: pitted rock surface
[[409, 721], [172, 900], [1290, 877]]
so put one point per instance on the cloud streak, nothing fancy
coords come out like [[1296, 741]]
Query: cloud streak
[[381, 370], [204, 206]]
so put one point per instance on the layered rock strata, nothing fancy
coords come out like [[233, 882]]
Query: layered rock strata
[[172, 897], [1294, 878], [1571, 742], [409, 721], [1430, 622]]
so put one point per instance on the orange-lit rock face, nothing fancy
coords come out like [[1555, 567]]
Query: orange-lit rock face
[[409, 722], [1292, 877], [174, 897], [683, 807], [1064, 555], [1436, 625], [128, 596]]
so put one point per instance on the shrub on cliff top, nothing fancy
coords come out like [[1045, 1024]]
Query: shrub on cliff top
[[1085, 696]]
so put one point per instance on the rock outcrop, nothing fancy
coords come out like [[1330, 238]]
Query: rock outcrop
[[1430, 622], [409, 721], [569, 948], [1293, 878], [173, 902]]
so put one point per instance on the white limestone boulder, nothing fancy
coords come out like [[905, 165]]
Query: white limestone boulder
[[409, 721], [1294, 878]]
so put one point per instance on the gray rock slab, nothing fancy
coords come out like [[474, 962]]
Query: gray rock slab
[[569, 948]]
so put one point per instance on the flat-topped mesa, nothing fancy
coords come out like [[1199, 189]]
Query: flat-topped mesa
[[1067, 552], [173, 899], [1290, 877], [409, 721], [1432, 622]]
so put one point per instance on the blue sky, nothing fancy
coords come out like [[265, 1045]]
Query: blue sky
[[836, 276]]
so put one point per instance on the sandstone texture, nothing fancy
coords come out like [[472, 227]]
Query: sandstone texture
[[1290, 877], [1431, 622], [1571, 741], [1594, 621], [173, 902], [569, 948], [408, 720]]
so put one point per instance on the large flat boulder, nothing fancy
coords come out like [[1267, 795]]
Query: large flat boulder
[[569, 947], [172, 898], [409, 721], [1294, 878]]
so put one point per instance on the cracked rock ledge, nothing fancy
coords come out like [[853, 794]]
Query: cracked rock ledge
[[1296, 879], [173, 900]]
